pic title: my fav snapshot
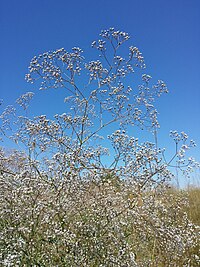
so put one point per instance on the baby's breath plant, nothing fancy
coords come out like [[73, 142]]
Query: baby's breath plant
[[80, 189]]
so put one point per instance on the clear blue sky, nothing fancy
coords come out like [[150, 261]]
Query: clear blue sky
[[167, 32]]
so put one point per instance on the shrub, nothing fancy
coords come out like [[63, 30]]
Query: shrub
[[68, 200]]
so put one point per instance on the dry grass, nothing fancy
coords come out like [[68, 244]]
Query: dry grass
[[194, 204]]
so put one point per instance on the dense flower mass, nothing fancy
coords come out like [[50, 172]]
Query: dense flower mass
[[79, 189]]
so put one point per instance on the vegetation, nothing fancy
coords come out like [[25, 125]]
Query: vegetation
[[80, 190], [194, 204]]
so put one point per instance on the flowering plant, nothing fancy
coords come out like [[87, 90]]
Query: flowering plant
[[83, 193]]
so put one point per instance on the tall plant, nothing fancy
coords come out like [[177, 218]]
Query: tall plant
[[84, 191]]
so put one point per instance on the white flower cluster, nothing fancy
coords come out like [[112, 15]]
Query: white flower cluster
[[80, 190]]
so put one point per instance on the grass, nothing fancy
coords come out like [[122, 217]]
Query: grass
[[193, 210]]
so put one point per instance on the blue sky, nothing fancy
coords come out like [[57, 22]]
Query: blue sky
[[167, 32]]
